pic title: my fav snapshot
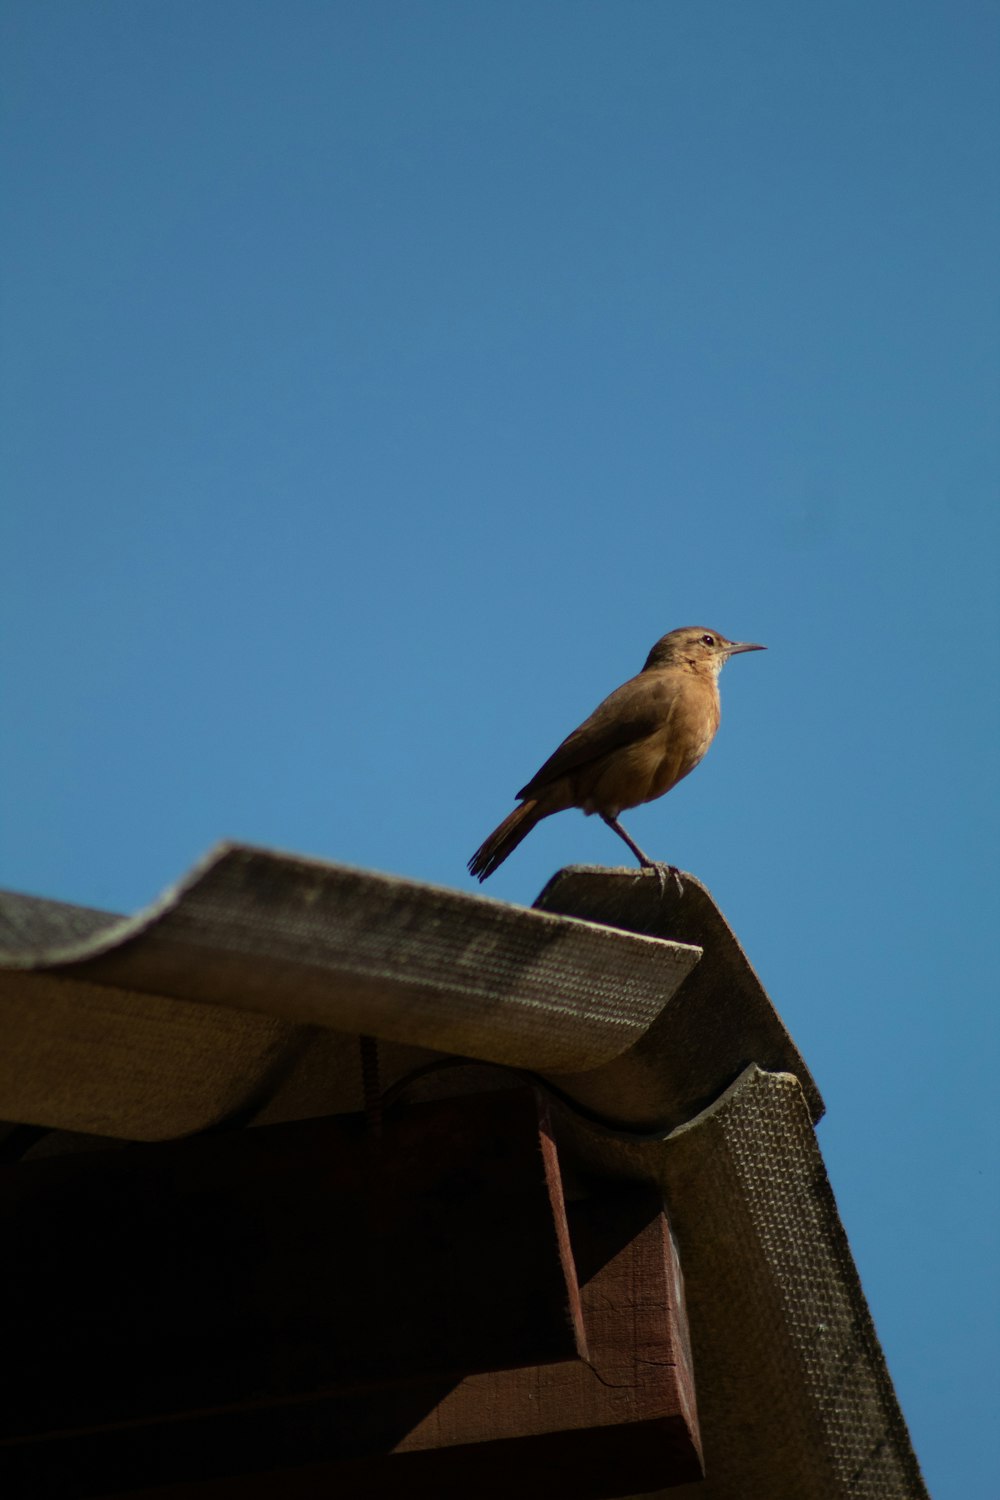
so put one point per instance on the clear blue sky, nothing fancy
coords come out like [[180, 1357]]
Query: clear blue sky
[[382, 378]]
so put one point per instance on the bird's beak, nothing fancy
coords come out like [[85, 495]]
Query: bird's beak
[[736, 646]]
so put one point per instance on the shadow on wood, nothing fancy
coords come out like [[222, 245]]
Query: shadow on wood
[[395, 1311]]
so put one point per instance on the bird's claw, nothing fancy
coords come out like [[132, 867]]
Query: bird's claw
[[663, 873]]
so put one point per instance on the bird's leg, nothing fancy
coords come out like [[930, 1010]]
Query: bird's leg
[[616, 827], [662, 870]]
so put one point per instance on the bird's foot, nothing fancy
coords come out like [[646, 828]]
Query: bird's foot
[[663, 873]]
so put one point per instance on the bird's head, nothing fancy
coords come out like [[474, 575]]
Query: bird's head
[[697, 647]]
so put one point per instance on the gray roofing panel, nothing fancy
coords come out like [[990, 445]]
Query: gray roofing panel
[[719, 1020], [794, 1398], [239, 997], [163, 1023]]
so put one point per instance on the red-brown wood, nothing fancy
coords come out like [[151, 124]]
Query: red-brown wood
[[639, 1368], [272, 1263], [156, 1381]]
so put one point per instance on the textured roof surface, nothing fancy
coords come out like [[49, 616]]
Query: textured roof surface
[[166, 1022], [720, 1020], [239, 997], [203, 1006], [794, 1397]]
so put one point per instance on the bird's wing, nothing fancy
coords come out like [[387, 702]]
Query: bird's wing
[[632, 712]]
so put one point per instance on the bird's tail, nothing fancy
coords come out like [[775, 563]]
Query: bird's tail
[[505, 839]]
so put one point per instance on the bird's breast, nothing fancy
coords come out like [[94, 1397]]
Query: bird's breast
[[683, 740], [685, 718]]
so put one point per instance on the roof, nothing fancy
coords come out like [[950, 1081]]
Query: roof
[[184, 1015], [238, 998]]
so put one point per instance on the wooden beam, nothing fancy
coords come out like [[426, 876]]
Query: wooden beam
[[301, 1298], [268, 1264]]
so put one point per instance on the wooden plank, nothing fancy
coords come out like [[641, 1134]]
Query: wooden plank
[[270, 1264], [639, 1365], [593, 1464], [622, 1422]]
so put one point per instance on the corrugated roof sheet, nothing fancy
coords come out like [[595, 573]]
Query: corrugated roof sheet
[[199, 990], [167, 1022], [794, 1397], [720, 1020], [240, 995]]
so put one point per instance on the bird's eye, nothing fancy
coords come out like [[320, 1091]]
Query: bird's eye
[[708, 640]]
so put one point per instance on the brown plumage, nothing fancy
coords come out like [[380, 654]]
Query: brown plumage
[[635, 746]]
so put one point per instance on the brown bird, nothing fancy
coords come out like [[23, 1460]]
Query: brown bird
[[635, 746]]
